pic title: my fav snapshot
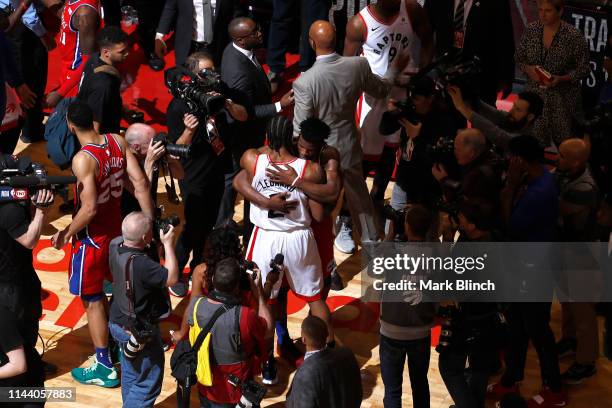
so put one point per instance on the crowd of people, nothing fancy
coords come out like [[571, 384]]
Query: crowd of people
[[369, 103]]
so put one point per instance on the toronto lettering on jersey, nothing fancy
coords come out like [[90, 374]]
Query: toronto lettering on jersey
[[397, 38]]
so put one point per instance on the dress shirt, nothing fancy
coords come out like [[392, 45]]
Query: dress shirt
[[203, 18], [310, 353]]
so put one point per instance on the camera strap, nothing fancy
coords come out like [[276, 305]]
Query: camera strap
[[129, 285]]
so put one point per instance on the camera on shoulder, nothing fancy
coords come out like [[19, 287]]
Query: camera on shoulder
[[201, 92]]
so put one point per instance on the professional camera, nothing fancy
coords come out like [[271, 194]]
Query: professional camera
[[247, 271], [252, 392], [179, 150], [442, 152], [165, 223], [200, 92], [20, 179], [406, 110], [142, 333]]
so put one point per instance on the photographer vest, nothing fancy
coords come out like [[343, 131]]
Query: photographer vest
[[118, 262]]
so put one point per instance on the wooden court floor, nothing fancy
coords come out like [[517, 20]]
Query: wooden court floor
[[66, 342]]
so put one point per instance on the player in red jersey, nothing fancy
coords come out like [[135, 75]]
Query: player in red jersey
[[77, 39], [101, 167]]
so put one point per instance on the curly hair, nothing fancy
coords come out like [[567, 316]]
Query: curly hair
[[221, 243]]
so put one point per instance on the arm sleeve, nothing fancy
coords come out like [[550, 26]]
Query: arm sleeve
[[303, 391], [154, 275], [581, 56], [31, 20], [493, 133], [526, 211], [166, 21], [99, 97], [174, 119], [303, 105], [374, 85]]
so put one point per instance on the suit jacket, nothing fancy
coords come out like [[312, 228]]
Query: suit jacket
[[327, 379], [330, 91], [249, 86], [488, 35]]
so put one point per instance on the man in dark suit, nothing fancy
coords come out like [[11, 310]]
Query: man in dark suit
[[329, 377], [249, 87], [480, 28], [197, 27]]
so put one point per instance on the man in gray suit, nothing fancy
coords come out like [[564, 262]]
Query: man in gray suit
[[330, 91]]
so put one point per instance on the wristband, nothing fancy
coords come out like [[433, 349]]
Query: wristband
[[295, 181]]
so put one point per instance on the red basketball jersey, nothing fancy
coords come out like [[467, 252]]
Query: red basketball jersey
[[109, 186], [69, 46]]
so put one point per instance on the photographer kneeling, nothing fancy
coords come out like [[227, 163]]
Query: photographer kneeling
[[139, 301], [205, 129], [499, 126], [422, 121], [480, 175], [237, 342]]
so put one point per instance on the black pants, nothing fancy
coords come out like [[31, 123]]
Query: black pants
[[531, 321], [200, 214], [112, 12], [393, 355], [226, 210], [31, 57], [467, 387], [281, 27], [149, 12], [384, 170], [9, 139]]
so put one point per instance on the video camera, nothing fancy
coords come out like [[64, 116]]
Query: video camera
[[252, 392], [201, 92], [20, 179], [179, 150], [453, 68]]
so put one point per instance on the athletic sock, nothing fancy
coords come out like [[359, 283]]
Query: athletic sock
[[103, 357]]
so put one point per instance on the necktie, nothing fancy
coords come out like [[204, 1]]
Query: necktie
[[459, 16]]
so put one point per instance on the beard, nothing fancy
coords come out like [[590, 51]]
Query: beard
[[514, 125]]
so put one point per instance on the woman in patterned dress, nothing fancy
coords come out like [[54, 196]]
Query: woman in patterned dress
[[560, 49]]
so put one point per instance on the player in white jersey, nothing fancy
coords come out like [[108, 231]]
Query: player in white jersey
[[285, 230], [379, 32]]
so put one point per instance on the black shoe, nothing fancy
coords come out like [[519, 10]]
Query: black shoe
[[577, 373], [179, 289], [49, 368], [336, 281], [156, 63], [566, 347], [269, 372], [29, 139]]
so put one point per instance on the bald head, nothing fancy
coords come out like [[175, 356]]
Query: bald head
[[322, 37], [573, 155], [245, 33], [135, 228], [239, 27], [138, 136], [469, 144]]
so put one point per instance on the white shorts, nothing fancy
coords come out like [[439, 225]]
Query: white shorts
[[369, 114], [304, 273]]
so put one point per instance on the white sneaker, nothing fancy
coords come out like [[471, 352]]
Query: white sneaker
[[344, 239]]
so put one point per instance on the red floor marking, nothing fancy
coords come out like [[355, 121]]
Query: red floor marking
[[72, 314], [60, 266]]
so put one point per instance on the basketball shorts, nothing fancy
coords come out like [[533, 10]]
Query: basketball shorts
[[89, 265], [302, 261]]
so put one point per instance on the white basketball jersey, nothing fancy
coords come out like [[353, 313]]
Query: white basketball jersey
[[299, 217], [383, 42]]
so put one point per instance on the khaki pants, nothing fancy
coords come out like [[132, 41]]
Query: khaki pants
[[580, 323]]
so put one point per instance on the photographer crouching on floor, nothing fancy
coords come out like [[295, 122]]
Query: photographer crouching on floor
[[198, 116], [139, 302]]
